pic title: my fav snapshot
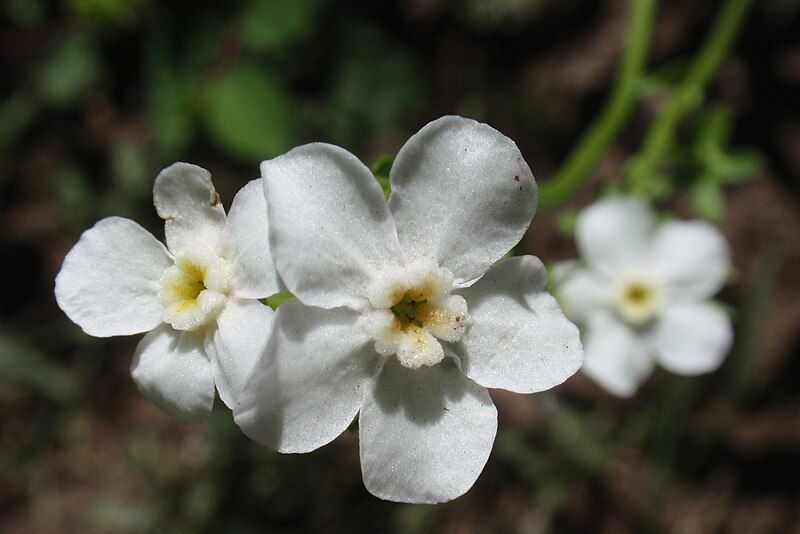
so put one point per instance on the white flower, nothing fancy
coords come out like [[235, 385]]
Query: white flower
[[642, 294], [196, 299], [403, 315]]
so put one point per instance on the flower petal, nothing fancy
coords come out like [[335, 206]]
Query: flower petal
[[245, 243], [616, 358], [692, 339], [330, 228], [692, 257], [581, 292], [171, 369], [461, 194], [309, 383], [519, 339], [243, 329], [613, 232], [108, 284], [425, 433], [185, 198]]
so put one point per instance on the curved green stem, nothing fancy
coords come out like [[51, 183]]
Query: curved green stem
[[689, 94], [569, 178]]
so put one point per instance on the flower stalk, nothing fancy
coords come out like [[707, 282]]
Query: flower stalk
[[688, 95], [570, 177]]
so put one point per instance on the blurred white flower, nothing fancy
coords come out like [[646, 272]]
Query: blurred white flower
[[196, 299], [641, 294], [417, 278]]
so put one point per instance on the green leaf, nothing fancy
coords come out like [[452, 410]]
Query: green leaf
[[168, 99], [274, 301], [376, 82], [276, 25], [25, 13], [23, 366], [16, 113], [645, 182], [708, 199], [714, 129], [381, 170], [130, 169], [77, 201], [566, 221], [737, 166], [106, 11], [113, 513], [249, 114], [69, 72], [718, 161]]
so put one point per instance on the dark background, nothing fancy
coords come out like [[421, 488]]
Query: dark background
[[97, 96]]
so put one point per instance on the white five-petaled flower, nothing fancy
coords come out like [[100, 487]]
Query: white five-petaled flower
[[196, 299], [404, 314], [642, 294]]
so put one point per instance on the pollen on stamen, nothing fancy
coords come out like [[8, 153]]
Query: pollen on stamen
[[194, 290], [414, 311]]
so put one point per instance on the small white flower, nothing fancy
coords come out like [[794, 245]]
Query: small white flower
[[642, 294], [404, 314], [196, 300]]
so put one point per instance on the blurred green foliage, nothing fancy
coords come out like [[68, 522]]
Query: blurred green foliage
[[112, 90], [249, 114], [275, 26]]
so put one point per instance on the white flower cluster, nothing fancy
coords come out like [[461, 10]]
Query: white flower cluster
[[405, 311]]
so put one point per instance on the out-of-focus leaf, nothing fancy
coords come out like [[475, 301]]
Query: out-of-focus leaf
[[130, 168], [646, 183], [77, 202], [718, 161], [664, 77], [168, 99], [200, 501], [276, 25], [577, 438], [708, 200], [715, 128], [22, 366], [381, 170], [375, 83], [507, 15], [736, 166], [106, 11], [566, 222], [113, 514], [413, 518], [15, 114], [70, 70], [25, 13], [249, 114], [199, 42]]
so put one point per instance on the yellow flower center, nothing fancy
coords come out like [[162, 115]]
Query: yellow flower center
[[194, 291], [638, 302], [414, 311]]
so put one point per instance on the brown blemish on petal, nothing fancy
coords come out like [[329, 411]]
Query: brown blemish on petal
[[215, 200], [516, 178]]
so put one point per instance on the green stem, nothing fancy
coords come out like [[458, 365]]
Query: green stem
[[569, 178], [689, 94]]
